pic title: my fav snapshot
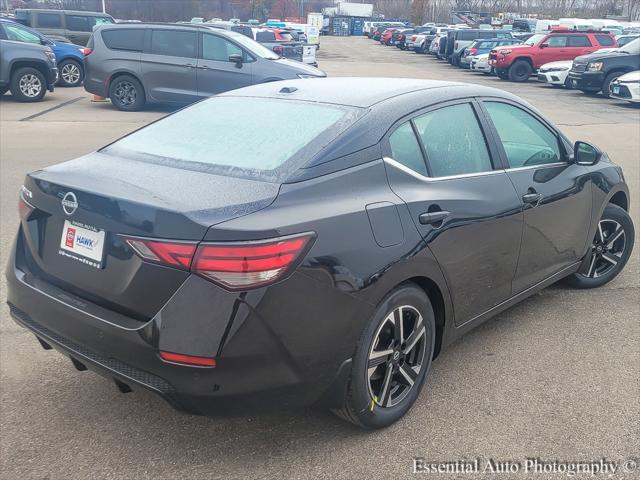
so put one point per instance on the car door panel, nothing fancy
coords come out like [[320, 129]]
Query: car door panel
[[555, 194], [168, 66], [215, 73], [466, 210]]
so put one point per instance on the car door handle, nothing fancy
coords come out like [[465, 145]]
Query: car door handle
[[203, 67], [431, 218], [532, 198], [190, 65]]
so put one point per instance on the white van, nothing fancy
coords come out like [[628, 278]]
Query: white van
[[576, 23], [612, 26], [546, 25]]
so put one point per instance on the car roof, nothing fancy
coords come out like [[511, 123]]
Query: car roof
[[68, 12], [351, 91]]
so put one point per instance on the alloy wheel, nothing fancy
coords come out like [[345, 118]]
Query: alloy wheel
[[125, 93], [607, 249], [70, 73], [396, 356], [30, 85]]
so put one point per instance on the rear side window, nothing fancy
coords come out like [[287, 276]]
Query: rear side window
[[265, 37], [49, 20], [174, 43], [244, 137], [406, 149], [79, 23], [556, 41], [467, 35], [526, 140], [130, 39], [578, 41], [453, 141], [605, 40]]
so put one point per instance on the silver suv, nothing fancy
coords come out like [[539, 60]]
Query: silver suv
[[134, 64]]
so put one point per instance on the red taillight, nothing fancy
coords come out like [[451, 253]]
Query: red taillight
[[250, 264], [86, 51], [188, 359], [235, 266], [472, 51], [277, 49], [413, 38], [174, 254], [24, 208]]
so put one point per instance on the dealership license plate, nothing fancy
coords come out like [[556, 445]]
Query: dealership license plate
[[82, 243], [615, 90]]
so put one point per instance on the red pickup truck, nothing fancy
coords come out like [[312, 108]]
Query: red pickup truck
[[518, 62]]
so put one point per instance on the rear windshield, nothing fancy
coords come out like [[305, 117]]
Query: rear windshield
[[259, 138]]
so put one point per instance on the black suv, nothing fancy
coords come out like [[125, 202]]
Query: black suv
[[595, 72], [27, 69]]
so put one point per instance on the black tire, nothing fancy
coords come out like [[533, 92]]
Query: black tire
[[568, 84], [28, 85], [361, 405], [126, 93], [606, 85], [520, 71], [4, 90], [607, 247], [71, 73]]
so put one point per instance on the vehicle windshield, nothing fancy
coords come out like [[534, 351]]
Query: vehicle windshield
[[253, 46], [534, 39], [260, 138]]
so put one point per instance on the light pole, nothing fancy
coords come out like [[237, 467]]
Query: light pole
[[104, 8]]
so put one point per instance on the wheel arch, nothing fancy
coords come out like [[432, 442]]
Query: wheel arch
[[433, 291], [71, 57], [529, 60], [38, 65], [620, 199]]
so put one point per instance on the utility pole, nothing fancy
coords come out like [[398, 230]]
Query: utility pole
[[104, 7]]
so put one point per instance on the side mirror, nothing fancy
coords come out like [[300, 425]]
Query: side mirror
[[237, 59], [586, 154], [544, 45]]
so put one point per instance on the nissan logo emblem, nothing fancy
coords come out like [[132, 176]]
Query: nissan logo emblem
[[69, 203]]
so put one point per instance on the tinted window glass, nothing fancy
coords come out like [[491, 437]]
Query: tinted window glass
[[236, 136], [19, 34], [605, 40], [124, 39], [79, 23], [49, 20], [406, 149], [453, 140], [173, 43], [265, 37], [218, 48], [467, 35], [578, 41], [556, 41], [525, 139]]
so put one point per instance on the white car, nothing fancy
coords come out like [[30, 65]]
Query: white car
[[415, 41], [556, 73], [627, 87], [480, 63]]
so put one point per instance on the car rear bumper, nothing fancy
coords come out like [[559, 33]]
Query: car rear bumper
[[587, 80], [256, 367]]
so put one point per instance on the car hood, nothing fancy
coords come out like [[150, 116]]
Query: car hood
[[300, 67], [601, 54], [482, 56], [630, 77]]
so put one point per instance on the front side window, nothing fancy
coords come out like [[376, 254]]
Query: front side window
[[406, 149], [19, 34], [219, 49], [174, 43], [557, 41], [453, 141], [49, 20], [578, 41], [525, 139]]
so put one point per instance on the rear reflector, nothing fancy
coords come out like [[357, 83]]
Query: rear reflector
[[24, 208], [188, 359], [249, 264]]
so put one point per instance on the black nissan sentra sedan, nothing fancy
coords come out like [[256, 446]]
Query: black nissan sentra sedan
[[309, 241]]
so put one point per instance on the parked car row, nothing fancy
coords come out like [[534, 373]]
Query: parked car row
[[594, 61]]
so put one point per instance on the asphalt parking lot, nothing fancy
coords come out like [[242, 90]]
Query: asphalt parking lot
[[554, 378]]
